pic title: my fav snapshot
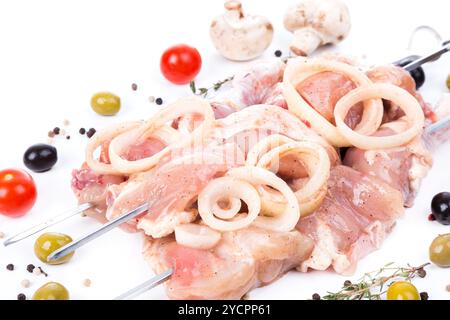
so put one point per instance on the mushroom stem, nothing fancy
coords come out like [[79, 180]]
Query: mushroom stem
[[305, 41], [234, 9]]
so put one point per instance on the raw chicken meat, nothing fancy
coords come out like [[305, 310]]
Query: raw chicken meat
[[256, 84], [91, 187], [401, 78], [357, 214], [402, 168], [364, 199], [171, 188], [243, 260], [260, 83], [251, 124], [100, 189], [323, 90]]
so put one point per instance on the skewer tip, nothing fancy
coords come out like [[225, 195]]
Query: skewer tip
[[7, 242], [57, 254]]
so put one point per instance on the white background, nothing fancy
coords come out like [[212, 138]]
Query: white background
[[55, 54]]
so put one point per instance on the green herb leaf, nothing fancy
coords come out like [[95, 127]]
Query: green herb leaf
[[192, 86]]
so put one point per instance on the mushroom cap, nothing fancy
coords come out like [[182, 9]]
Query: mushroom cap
[[330, 19], [240, 37]]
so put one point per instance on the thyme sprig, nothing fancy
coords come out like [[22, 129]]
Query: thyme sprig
[[204, 91], [374, 284]]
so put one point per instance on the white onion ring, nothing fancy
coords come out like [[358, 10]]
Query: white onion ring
[[99, 138], [301, 68], [173, 111], [234, 205], [399, 96], [197, 236], [316, 163], [263, 146], [288, 219], [164, 133], [232, 188]]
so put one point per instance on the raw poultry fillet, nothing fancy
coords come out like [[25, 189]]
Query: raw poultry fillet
[[357, 214], [402, 168], [243, 260], [168, 190]]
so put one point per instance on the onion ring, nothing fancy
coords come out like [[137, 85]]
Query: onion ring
[[288, 219], [232, 188], [399, 96], [299, 69], [99, 138], [175, 110], [264, 146], [316, 163], [196, 236]]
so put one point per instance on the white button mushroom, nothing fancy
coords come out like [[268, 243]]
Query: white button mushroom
[[316, 23], [240, 37]]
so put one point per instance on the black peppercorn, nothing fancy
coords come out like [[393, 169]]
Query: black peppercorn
[[134, 86], [423, 296], [159, 101], [30, 268], [316, 296], [347, 283], [10, 267], [56, 130], [21, 296], [278, 53], [68, 137], [90, 133], [82, 131]]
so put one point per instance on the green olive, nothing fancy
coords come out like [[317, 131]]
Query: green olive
[[105, 103], [440, 250], [402, 290], [51, 291], [49, 242]]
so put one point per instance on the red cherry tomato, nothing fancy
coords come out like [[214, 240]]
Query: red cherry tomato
[[180, 64], [17, 192]]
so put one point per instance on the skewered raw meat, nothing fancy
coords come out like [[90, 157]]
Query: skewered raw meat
[[226, 183], [403, 167], [171, 187], [89, 186], [169, 190], [243, 260], [401, 78], [355, 217], [323, 90]]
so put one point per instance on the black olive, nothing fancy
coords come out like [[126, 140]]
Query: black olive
[[40, 157], [440, 206], [418, 74]]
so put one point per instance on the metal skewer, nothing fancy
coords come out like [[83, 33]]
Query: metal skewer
[[72, 246], [437, 133], [150, 284], [428, 58], [52, 221]]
